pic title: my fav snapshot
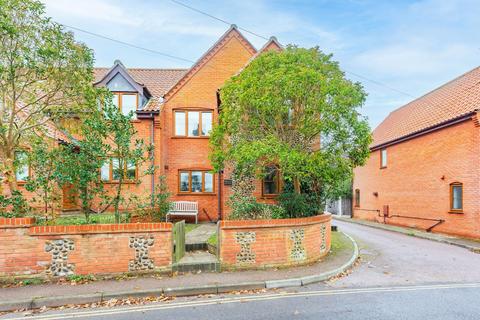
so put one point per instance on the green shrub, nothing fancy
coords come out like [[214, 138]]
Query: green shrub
[[299, 205], [14, 206], [155, 208], [250, 209]]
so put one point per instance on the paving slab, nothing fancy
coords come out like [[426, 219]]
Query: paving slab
[[201, 233], [198, 257]]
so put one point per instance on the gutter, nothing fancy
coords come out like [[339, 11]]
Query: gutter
[[422, 132]]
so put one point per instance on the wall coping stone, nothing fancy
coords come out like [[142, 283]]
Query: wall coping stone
[[101, 228], [16, 222], [274, 223]]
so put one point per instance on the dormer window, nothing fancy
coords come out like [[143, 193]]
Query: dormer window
[[126, 101]]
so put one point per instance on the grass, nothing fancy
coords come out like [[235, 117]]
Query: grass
[[190, 227], [339, 242], [33, 281], [213, 240], [80, 278], [79, 220]]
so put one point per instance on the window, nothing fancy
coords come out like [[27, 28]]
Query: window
[[127, 102], [193, 123], [383, 158], [111, 170], [456, 197], [270, 184], [22, 171], [357, 197], [195, 181]]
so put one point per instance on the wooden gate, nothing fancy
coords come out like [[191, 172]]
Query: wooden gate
[[179, 238]]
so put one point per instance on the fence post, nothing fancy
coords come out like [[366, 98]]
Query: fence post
[[179, 236]]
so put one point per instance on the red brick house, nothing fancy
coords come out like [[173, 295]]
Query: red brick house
[[424, 166], [175, 110]]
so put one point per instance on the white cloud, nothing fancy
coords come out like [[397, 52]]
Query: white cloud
[[99, 10]]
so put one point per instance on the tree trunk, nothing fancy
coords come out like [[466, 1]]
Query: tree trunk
[[10, 175], [296, 185], [117, 200]]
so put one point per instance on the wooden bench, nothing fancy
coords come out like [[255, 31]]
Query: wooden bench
[[184, 208]]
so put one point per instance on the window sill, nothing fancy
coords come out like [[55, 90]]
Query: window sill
[[456, 211], [269, 196], [116, 182], [182, 137], [385, 167], [196, 194]]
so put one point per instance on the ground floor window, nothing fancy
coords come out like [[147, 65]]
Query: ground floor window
[[195, 181], [271, 181], [22, 170], [111, 170], [456, 197]]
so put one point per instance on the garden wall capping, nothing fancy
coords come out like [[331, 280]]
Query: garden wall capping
[[274, 223], [16, 222], [100, 228]]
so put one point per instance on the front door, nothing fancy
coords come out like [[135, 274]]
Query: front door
[[70, 198]]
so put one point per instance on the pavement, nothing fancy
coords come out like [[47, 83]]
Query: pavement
[[399, 277], [36, 296], [469, 244]]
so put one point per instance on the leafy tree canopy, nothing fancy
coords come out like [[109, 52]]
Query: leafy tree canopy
[[44, 75], [297, 110]]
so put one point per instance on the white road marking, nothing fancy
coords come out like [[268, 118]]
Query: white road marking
[[83, 314]]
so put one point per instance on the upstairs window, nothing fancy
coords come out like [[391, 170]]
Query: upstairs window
[[383, 158], [270, 183], [456, 197], [193, 123], [126, 102], [195, 181], [111, 171], [22, 169]]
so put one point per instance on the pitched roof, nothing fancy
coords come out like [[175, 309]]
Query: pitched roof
[[157, 81], [231, 32], [455, 99]]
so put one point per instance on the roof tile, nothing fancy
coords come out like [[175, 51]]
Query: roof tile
[[452, 100], [157, 81]]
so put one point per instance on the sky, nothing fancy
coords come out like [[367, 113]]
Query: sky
[[405, 48]]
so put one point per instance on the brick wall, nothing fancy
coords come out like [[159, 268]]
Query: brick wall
[[251, 244], [85, 249], [199, 92], [417, 181]]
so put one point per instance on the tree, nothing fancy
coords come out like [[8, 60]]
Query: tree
[[43, 160], [106, 137], [294, 109], [80, 160], [45, 75], [128, 152]]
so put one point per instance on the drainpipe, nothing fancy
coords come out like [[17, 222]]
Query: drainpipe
[[152, 142], [219, 217]]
